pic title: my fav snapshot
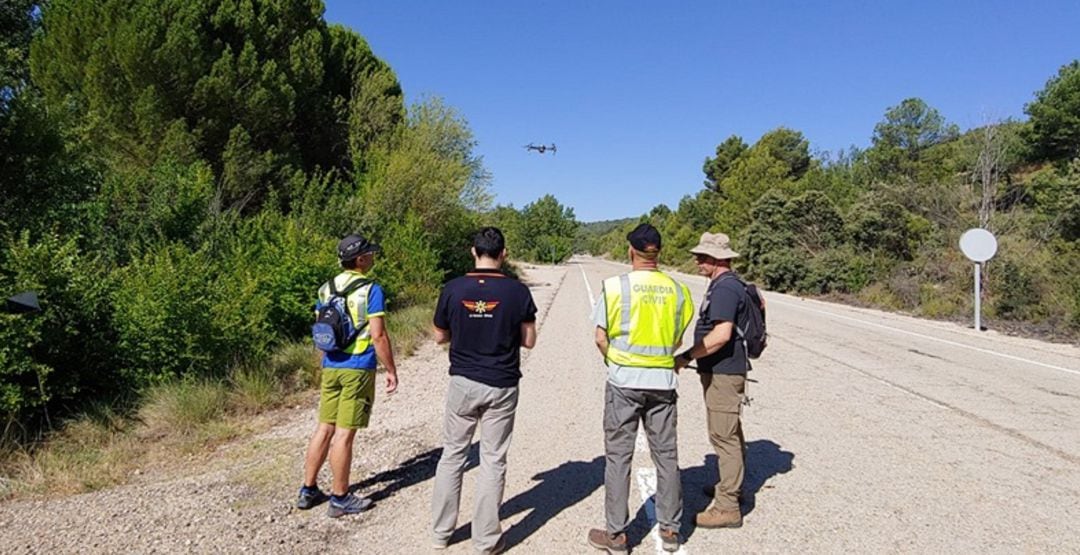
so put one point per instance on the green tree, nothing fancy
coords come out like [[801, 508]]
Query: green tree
[[16, 29], [261, 87], [548, 229], [1054, 127], [42, 179], [726, 153], [907, 131], [751, 177], [788, 146]]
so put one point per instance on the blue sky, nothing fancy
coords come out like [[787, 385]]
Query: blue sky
[[636, 94]]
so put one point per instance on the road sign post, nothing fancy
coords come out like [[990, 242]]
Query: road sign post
[[979, 245]]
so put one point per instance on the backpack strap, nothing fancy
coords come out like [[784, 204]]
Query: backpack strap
[[350, 288], [746, 295]]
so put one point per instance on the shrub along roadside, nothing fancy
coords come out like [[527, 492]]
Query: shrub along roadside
[[185, 416]]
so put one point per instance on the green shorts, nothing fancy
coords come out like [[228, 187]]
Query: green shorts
[[346, 397]]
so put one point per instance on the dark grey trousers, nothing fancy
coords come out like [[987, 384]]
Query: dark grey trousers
[[658, 410]]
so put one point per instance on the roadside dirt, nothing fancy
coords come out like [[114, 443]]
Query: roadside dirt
[[241, 497]]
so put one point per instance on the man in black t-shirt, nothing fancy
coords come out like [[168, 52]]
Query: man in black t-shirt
[[487, 317], [722, 366]]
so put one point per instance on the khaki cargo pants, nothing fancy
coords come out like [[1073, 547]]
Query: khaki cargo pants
[[723, 402]]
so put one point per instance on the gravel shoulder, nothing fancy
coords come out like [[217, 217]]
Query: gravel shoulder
[[241, 497]]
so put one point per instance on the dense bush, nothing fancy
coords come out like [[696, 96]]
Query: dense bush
[[61, 355]]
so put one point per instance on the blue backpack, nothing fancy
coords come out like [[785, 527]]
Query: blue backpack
[[333, 329]]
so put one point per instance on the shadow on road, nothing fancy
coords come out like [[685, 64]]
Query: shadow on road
[[764, 459], [411, 472], [557, 490]]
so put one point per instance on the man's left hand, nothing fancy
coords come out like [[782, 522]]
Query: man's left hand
[[391, 381]]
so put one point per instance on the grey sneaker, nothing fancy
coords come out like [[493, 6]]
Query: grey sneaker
[[309, 498], [348, 505]]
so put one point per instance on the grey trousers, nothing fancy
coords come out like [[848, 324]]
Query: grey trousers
[[469, 403], [658, 410]]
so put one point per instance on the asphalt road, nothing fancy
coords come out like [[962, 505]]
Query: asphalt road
[[867, 431]]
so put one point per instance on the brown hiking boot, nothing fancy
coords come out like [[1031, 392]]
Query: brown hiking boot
[[669, 540], [600, 539], [715, 517]]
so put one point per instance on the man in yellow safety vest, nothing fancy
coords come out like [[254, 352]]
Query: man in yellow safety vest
[[640, 319]]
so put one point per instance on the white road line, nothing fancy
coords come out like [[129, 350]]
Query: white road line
[[927, 337], [646, 481], [640, 443], [592, 299]]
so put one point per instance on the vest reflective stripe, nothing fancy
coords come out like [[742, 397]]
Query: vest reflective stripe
[[357, 303], [645, 338]]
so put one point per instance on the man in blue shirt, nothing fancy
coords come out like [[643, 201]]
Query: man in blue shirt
[[348, 380]]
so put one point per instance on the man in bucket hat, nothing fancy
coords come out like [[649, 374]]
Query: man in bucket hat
[[722, 366], [347, 390]]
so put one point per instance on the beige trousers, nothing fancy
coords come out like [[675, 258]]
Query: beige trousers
[[723, 402]]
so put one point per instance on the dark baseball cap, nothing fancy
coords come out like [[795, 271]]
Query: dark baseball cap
[[355, 245], [644, 238]]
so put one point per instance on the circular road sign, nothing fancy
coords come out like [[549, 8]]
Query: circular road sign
[[978, 244]]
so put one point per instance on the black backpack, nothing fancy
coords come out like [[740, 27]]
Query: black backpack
[[752, 331], [333, 329]]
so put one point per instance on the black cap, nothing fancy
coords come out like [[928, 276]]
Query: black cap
[[355, 245], [644, 238]]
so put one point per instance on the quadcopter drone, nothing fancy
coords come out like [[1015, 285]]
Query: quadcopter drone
[[541, 148]]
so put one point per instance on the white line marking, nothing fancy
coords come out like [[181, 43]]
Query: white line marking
[[927, 337], [646, 481], [592, 299], [640, 443]]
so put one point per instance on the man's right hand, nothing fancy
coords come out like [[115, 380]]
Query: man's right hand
[[681, 361]]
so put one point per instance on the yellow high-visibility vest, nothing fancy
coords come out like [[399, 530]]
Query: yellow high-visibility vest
[[357, 302], [647, 313]]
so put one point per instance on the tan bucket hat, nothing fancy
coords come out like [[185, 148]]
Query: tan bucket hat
[[716, 245]]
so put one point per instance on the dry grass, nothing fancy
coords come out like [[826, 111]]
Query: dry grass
[[176, 420], [409, 328], [89, 452]]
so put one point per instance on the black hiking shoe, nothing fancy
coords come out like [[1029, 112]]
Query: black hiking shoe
[[310, 497]]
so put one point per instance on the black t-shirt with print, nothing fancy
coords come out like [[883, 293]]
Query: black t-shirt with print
[[723, 303], [484, 310]]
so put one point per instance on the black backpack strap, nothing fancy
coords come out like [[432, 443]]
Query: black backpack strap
[[354, 286], [746, 295]]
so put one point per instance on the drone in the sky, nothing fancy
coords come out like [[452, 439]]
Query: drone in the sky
[[541, 148]]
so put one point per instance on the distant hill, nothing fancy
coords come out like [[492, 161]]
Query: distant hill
[[603, 226]]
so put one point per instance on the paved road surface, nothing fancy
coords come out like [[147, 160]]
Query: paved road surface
[[868, 432], [878, 432]]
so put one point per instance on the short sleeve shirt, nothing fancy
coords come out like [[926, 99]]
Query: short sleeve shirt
[[723, 303], [484, 310], [376, 307]]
